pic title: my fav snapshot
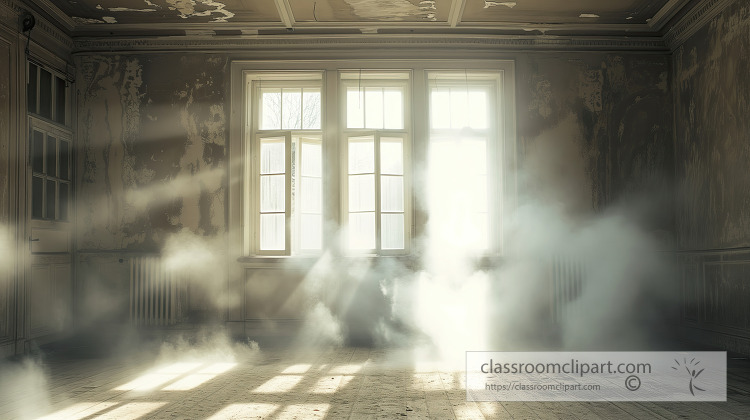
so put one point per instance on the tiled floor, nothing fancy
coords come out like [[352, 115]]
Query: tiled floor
[[238, 381]]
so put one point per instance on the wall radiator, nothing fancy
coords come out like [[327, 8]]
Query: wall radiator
[[156, 295], [567, 276]]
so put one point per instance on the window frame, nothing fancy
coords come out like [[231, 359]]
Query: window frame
[[379, 79], [502, 202]]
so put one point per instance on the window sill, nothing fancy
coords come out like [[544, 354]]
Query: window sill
[[412, 261]]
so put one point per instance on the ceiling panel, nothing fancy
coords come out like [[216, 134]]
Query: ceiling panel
[[168, 11], [561, 11], [370, 11]]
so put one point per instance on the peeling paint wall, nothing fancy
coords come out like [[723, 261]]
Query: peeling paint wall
[[152, 138], [594, 130], [712, 127], [712, 142]]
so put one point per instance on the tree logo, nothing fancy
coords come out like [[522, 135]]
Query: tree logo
[[692, 369]]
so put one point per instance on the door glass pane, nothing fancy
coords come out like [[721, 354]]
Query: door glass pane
[[60, 100], [31, 88], [272, 197], [37, 150], [272, 232], [362, 192], [270, 111], [361, 155], [45, 94], [392, 193], [64, 201], [311, 159], [49, 200], [311, 109], [64, 160], [391, 156], [272, 157], [37, 197], [51, 156], [392, 231], [362, 230], [291, 106]]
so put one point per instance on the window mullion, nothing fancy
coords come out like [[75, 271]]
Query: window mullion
[[378, 234], [288, 193]]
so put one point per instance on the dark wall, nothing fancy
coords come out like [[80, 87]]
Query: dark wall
[[712, 142], [152, 138], [595, 129]]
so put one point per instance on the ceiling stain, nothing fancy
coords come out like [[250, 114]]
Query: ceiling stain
[[187, 9], [392, 9]]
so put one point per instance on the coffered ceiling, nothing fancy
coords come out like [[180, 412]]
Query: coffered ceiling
[[142, 17]]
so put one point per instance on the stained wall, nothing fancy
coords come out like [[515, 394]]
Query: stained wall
[[712, 151]]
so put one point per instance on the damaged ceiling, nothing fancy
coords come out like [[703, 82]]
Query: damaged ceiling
[[587, 17]]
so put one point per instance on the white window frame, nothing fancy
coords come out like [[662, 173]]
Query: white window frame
[[240, 204], [365, 80], [255, 133]]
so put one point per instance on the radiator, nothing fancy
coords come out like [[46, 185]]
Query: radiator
[[567, 276], [156, 295]]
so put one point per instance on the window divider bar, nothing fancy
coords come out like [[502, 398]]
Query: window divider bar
[[288, 194], [378, 233]]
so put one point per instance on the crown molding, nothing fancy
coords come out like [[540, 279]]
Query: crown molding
[[366, 43], [667, 12], [44, 32], [695, 19]]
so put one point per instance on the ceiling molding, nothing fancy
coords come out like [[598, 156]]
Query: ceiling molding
[[456, 12], [285, 13], [364, 43], [666, 13], [44, 32], [55, 13], [694, 20]]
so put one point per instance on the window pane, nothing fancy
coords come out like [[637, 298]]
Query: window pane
[[272, 232], [478, 116], [31, 88], [49, 200], [362, 230], [64, 201], [440, 115], [291, 106], [373, 107], [272, 197], [475, 154], [270, 111], [37, 197], [311, 109], [392, 231], [272, 156], [312, 195], [394, 109], [64, 160], [355, 108], [60, 100], [362, 192], [51, 156], [312, 164], [480, 193], [361, 155], [311, 232], [459, 107], [45, 94], [391, 156], [392, 193], [37, 150]]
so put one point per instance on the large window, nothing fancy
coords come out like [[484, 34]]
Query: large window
[[362, 160]]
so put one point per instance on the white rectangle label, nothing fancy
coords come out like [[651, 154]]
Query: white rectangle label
[[596, 376]]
